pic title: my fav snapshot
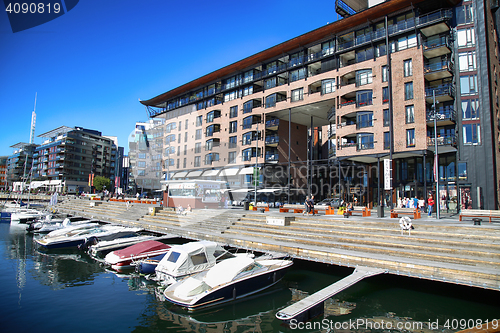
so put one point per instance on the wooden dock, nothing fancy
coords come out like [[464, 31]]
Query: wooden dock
[[312, 305]]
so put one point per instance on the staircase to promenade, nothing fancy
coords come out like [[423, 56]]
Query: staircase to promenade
[[446, 250]]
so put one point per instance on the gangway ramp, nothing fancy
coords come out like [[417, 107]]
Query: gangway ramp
[[312, 305]]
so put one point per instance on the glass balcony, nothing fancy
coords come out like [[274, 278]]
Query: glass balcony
[[443, 113], [445, 92], [449, 140], [272, 140], [272, 157]]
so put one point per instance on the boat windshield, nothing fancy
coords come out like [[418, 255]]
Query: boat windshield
[[173, 257]]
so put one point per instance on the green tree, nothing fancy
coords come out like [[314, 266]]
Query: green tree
[[101, 182]]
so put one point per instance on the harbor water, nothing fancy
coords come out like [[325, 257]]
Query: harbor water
[[68, 291]]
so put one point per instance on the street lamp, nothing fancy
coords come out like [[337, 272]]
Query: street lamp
[[436, 155]]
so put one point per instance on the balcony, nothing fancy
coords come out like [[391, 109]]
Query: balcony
[[434, 23], [272, 157], [436, 47], [437, 71], [449, 140], [272, 124], [272, 140], [444, 92], [445, 116], [332, 152]]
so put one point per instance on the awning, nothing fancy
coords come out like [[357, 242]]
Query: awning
[[211, 173], [241, 190], [229, 172], [246, 171], [268, 190], [180, 174], [196, 173]]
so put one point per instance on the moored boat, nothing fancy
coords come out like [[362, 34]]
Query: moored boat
[[80, 235], [104, 247], [228, 280], [121, 260]]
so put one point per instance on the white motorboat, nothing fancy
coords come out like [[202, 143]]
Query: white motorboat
[[228, 280], [83, 234], [104, 247], [190, 258], [24, 215], [49, 224]]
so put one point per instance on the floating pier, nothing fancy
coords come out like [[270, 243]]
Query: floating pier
[[313, 306]]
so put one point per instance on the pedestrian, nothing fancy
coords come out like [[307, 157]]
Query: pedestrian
[[306, 206], [311, 205], [430, 204], [421, 205]]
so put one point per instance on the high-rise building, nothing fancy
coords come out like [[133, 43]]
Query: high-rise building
[[69, 158], [3, 173], [19, 165], [320, 113]]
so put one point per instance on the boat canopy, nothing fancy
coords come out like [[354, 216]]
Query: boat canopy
[[190, 257], [226, 270]]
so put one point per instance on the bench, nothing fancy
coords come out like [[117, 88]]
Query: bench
[[395, 212], [359, 209], [476, 213], [296, 208]]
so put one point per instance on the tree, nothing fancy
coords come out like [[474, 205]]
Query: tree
[[101, 182]]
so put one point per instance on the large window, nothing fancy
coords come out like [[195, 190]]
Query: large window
[[410, 137], [470, 108], [233, 112], [298, 74], [472, 134], [385, 74], [271, 101], [464, 14], [365, 141], [248, 122], [387, 140], [364, 119], [468, 84], [246, 139], [410, 114], [212, 115], [233, 142], [387, 120], [297, 94], [408, 90], [407, 42], [212, 129], [327, 48], [197, 160], [408, 68], [385, 95], [466, 37], [233, 126], [364, 97], [467, 61], [231, 159], [363, 77], [327, 86], [197, 147], [197, 135]]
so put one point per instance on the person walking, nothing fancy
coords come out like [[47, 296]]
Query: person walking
[[311, 205], [306, 206], [430, 205]]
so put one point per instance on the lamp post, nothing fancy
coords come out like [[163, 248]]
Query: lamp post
[[256, 173], [436, 155]]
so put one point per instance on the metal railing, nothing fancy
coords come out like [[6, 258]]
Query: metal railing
[[439, 66], [272, 139], [444, 89], [449, 140], [442, 113]]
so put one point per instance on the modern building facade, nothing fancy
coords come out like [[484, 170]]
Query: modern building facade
[[3, 173], [320, 113], [145, 157], [69, 157], [19, 164]]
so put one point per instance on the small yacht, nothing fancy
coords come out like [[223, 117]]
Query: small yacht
[[121, 260], [228, 280]]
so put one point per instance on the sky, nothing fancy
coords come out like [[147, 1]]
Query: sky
[[92, 65]]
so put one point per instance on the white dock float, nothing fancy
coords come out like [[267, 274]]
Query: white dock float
[[312, 305]]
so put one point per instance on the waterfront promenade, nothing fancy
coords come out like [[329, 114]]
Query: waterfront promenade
[[444, 250]]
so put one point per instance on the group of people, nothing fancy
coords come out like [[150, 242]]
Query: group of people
[[417, 203], [181, 211]]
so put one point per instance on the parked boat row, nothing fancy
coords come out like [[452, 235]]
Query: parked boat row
[[192, 275]]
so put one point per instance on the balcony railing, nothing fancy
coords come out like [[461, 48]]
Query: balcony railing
[[440, 66], [365, 145], [436, 42], [444, 89], [272, 157], [449, 140], [442, 113], [272, 123], [348, 145], [272, 139]]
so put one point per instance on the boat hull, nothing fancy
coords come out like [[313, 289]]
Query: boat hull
[[239, 289]]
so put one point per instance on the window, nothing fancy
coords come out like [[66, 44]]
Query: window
[[186, 124], [297, 94], [247, 107], [212, 157], [141, 164], [185, 149], [470, 108], [179, 138], [410, 137], [365, 141], [233, 126], [471, 134], [408, 70], [468, 84], [364, 97], [199, 121], [327, 86], [467, 61], [197, 160], [327, 48], [184, 162], [186, 137], [210, 130], [408, 90], [407, 42], [466, 37], [271, 101], [178, 153], [365, 54], [247, 122], [180, 125], [465, 14], [385, 95], [210, 144], [178, 163], [233, 112], [462, 170], [212, 115], [364, 119], [169, 150], [247, 138], [229, 96], [385, 74], [169, 138], [197, 135], [231, 159], [248, 77], [387, 140], [298, 74], [197, 147], [270, 83], [363, 77], [386, 118], [410, 114]]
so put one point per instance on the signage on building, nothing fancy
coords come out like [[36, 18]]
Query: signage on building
[[387, 174]]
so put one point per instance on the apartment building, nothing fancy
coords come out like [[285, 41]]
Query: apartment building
[[321, 112], [3, 173], [69, 157], [19, 164]]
